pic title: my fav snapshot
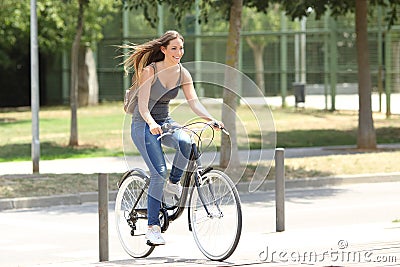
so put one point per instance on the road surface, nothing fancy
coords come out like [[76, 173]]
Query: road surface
[[318, 220]]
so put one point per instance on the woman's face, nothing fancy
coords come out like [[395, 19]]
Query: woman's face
[[174, 51]]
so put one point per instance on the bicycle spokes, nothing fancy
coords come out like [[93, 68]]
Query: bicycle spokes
[[215, 216], [131, 216]]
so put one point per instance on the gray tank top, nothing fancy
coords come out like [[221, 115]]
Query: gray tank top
[[159, 98]]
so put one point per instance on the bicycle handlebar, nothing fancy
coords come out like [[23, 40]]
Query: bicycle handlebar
[[169, 128], [215, 124]]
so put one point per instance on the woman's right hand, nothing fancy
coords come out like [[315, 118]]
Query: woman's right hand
[[155, 128]]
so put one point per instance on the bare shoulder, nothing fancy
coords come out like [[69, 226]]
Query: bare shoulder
[[148, 71], [147, 74], [186, 76]]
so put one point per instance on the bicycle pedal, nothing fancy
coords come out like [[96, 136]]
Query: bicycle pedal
[[152, 245]]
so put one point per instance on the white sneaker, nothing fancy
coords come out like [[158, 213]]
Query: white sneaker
[[153, 236], [175, 189]]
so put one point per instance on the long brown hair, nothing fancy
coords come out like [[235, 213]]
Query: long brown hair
[[142, 55]]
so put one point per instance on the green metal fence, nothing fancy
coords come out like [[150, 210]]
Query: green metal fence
[[329, 53]]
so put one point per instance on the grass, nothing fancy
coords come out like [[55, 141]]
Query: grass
[[336, 165], [100, 130], [51, 184]]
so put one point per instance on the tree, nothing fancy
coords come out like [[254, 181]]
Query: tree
[[56, 21], [57, 28], [366, 137], [73, 139], [76, 45], [256, 21], [56, 31], [232, 11], [14, 21], [229, 148], [14, 52]]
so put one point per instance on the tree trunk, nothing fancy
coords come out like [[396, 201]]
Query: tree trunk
[[229, 149], [93, 81], [258, 53], [88, 86], [73, 139], [366, 137], [396, 66], [83, 74], [259, 62]]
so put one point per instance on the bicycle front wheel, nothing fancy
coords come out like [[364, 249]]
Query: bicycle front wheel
[[132, 222], [216, 216]]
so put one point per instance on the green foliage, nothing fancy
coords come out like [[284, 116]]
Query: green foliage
[[14, 28], [52, 25], [298, 9], [56, 23], [181, 7], [294, 9], [14, 20], [97, 14], [149, 8], [256, 21]]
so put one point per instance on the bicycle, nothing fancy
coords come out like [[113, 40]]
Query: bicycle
[[214, 210]]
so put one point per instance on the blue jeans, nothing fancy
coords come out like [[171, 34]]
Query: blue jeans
[[152, 153]]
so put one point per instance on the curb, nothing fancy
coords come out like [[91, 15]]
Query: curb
[[49, 201], [269, 185]]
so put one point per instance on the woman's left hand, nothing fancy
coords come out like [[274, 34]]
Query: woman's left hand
[[218, 125]]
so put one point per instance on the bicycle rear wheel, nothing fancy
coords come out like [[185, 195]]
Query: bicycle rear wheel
[[132, 227], [216, 232]]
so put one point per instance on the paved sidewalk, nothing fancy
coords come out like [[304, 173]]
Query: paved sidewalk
[[342, 102], [320, 246], [306, 247], [331, 226]]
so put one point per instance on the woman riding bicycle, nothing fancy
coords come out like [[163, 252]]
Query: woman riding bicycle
[[158, 76]]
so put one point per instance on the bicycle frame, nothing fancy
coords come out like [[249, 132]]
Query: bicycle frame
[[193, 170]]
